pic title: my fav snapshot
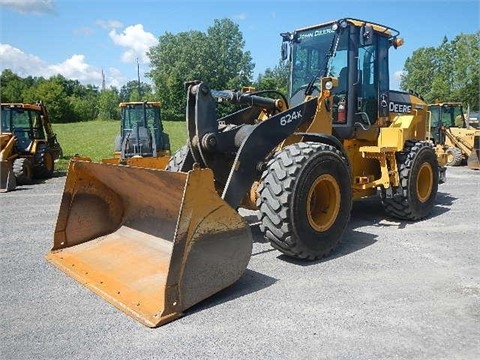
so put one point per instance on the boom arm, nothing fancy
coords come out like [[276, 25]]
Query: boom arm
[[458, 142], [210, 145]]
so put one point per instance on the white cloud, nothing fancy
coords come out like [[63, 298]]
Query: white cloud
[[21, 63], [74, 68], [84, 31], [137, 42], [398, 75], [108, 24], [240, 16], [30, 6]]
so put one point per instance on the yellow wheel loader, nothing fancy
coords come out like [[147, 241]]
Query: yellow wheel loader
[[28, 145], [154, 242], [141, 141], [453, 135]]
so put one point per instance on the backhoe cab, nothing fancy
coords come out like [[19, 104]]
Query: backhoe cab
[[29, 146], [159, 241], [142, 141]]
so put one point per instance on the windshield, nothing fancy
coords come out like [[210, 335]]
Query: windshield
[[134, 114], [312, 58], [21, 121], [447, 115]]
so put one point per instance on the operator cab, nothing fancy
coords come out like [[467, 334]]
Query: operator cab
[[23, 122], [356, 53], [141, 130], [445, 115]]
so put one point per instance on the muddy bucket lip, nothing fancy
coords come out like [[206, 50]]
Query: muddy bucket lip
[[138, 291]]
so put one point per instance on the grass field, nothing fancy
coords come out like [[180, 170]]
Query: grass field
[[95, 138]]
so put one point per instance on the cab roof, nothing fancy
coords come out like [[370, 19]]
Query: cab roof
[[383, 29]]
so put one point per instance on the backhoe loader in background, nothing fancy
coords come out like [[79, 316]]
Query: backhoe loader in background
[[453, 135], [154, 242], [28, 145], [141, 141]]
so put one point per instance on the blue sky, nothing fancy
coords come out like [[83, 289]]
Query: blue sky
[[80, 39]]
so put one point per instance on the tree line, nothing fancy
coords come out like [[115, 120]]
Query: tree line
[[447, 73]]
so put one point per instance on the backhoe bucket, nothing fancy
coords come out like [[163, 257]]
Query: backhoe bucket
[[473, 161], [151, 242]]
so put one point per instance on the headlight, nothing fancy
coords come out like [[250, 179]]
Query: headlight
[[328, 85]]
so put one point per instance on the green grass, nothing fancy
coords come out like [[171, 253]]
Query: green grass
[[95, 139]]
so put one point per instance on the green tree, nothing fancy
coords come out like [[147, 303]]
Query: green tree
[[216, 57], [448, 72], [12, 87], [132, 92], [52, 93], [274, 79], [226, 62], [108, 101], [176, 59]]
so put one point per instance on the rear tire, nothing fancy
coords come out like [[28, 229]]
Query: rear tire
[[305, 200], [23, 170], [454, 156], [418, 171], [44, 163]]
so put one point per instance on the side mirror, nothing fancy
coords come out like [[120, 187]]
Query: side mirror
[[366, 35]]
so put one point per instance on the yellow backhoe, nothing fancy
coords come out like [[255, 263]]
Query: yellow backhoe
[[28, 145], [154, 242], [453, 135]]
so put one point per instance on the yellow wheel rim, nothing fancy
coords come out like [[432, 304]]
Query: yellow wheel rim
[[323, 203], [450, 158], [424, 182]]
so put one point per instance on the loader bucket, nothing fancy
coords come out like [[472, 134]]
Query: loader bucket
[[151, 242], [473, 161]]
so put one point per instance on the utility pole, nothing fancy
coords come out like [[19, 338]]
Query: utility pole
[[103, 81], [138, 77]]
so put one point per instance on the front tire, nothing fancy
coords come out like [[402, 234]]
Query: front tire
[[454, 156], [418, 171], [23, 170], [305, 200]]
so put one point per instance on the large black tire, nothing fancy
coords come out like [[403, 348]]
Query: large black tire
[[454, 156], [23, 170], [305, 199], [44, 162], [418, 171], [177, 161]]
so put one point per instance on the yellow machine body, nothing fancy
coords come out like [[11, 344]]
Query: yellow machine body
[[154, 242], [454, 136]]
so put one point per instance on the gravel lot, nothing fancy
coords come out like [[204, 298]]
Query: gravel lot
[[392, 289]]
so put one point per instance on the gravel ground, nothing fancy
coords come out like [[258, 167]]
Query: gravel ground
[[392, 289]]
